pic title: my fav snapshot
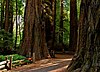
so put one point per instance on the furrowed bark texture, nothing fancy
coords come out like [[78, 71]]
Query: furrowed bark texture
[[34, 31], [87, 57]]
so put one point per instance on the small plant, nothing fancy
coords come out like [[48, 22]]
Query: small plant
[[2, 58]]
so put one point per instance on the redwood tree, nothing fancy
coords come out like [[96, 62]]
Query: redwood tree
[[7, 16], [34, 30], [73, 25], [87, 57], [8, 26]]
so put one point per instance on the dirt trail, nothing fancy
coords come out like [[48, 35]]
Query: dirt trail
[[58, 64]]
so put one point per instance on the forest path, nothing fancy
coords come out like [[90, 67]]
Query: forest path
[[58, 64]]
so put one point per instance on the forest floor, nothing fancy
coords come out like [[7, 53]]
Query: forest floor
[[58, 64]]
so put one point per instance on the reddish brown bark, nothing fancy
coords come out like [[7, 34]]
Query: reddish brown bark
[[7, 16], [87, 58], [34, 31], [73, 25]]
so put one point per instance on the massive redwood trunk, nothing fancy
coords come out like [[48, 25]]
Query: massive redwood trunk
[[34, 31], [87, 57]]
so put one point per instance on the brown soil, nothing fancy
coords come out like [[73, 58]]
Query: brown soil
[[45, 62]]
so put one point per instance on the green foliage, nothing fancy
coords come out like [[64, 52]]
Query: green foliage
[[6, 41], [2, 58], [12, 9], [20, 21], [20, 7], [15, 57], [27, 61], [66, 21]]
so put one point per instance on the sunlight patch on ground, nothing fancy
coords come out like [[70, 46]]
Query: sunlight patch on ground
[[63, 69]]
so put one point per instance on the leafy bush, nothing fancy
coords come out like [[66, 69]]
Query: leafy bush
[[6, 42], [18, 57], [15, 57], [2, 58]]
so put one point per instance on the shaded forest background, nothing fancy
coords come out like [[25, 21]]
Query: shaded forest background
[[56, 15]]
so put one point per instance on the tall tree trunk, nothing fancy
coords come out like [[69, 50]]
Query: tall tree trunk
[[61, 24], [53, 21], [73, 25], [20, 35], [50, 27], [54, 24], [16, 24], [7, 16], [8, 26], [11, 16], [3, 15], [48, 20], [87, 58], [34, 31], [25, 46]]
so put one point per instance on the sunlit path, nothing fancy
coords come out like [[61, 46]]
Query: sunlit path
[[47, 65]]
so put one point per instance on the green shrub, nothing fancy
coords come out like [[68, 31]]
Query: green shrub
[[15, 57], [18, 57], [2, 58], [6, 42]]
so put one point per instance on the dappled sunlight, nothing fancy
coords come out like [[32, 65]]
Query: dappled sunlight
[[49, 65], [62, 69]]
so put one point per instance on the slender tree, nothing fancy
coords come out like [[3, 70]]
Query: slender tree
[[53, 2], [54, 24], [2, 13], [87, 58], [73, 25], [11, 16], [8, 26], [16, 24], [61, 23], [7, 16]]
